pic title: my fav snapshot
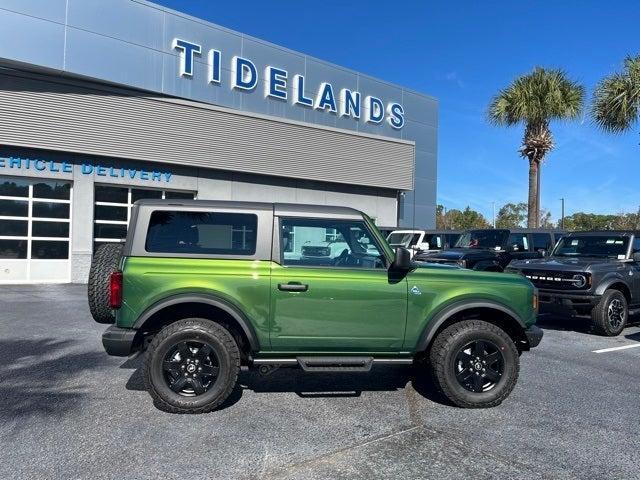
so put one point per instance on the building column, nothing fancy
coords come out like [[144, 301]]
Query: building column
[[81, 226]]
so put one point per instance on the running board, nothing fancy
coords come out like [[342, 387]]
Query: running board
[[335, 364], [332, 363]]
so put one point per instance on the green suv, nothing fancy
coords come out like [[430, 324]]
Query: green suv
[[207, 288]]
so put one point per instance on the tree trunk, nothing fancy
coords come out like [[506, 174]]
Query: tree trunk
[[536, 143], [538, 194], [532, 214]]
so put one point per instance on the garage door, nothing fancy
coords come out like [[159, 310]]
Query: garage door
[[112, 210], [35, 230]]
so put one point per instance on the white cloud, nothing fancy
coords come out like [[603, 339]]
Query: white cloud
[[453, 77]]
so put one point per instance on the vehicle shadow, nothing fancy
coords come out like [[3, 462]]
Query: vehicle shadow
[[318, 385], [564, 323], [574, 323], [39, 377]]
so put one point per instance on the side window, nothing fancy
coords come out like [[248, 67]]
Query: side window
[[636, 245], [350, 245], [205, 233], [518, 242], [541, 241], [434, 241], [452, 238]]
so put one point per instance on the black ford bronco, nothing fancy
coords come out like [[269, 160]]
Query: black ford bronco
[[595, 273], [491, 250]]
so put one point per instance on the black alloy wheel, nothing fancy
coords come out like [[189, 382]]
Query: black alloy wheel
[[190, 368], [616, 313], [474, 363], [611, 314], [479, 366]]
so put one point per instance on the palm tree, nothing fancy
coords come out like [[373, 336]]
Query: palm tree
[[616, 100], [534, 100]]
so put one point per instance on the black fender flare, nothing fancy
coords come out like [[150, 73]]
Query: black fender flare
[[207, 299], [436, 321], [609, 280]]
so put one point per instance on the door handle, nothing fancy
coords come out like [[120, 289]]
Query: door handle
[[293, 287]]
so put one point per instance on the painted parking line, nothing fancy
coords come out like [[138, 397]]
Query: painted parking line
[[613, 349]]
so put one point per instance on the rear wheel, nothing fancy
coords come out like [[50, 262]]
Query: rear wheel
[[105, 261], [610, 315], [191, 366], [475, 364]]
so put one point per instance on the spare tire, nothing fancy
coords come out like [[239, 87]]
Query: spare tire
[[105, 261]]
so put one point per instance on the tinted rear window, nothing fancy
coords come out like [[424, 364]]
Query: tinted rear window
[[541, 241], [452, 238], [518, 241], [204, 233]]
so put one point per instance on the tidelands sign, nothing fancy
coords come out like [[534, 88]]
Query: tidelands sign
[[279, 84]]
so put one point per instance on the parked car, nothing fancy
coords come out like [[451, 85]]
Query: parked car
[[594, 273], [328, 251], [205, 288], [492, 249], [324, 252], [419, 241]]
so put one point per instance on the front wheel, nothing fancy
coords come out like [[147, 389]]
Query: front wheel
[[609, 316], [191, 366], [475, 364]]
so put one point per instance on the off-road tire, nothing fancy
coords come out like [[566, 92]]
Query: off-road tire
[[105, 261], [442, 359], [599, 314], [225, 348]]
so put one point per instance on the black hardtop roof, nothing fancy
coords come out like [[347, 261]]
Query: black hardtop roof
[[605, 232], [518, 230], [425, 230], [279, 208]]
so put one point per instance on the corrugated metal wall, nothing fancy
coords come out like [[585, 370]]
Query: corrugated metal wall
[[55, 114]]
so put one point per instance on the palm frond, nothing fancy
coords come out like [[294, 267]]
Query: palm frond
[[537, 97], [616, 99]]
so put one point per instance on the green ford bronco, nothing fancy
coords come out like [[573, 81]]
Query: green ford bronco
[[208, 288]]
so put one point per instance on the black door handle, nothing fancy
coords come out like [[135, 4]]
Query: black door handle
[[293, 287]]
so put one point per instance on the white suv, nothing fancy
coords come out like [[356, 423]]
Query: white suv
[[412, 239]]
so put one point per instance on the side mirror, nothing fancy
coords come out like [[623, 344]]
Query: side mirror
[[636, 256], [402, 260]]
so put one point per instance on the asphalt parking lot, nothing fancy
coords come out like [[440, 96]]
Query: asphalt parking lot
[[70, 411]]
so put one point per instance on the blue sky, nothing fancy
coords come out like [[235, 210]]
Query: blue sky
[[462, 53]]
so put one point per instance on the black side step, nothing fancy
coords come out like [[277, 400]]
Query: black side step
[[335, 364]]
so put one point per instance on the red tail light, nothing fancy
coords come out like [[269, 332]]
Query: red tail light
[[115, 290]]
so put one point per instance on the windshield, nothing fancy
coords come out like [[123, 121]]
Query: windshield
[[406, 239], [607, 246], [482, 239]]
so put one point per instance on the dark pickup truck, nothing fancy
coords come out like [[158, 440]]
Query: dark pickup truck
[[594, 273], [492, 249]]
